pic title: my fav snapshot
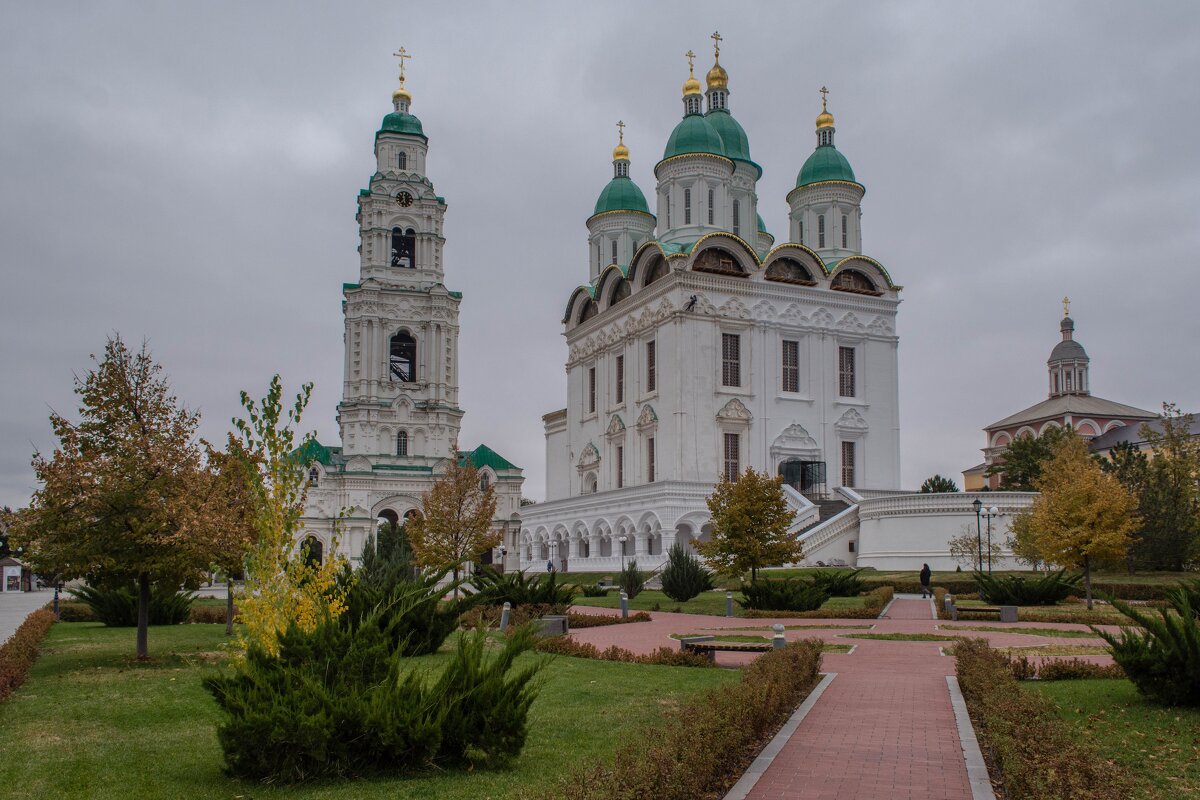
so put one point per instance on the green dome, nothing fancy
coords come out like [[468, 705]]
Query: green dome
[[737, 146], [825, 164], [694, 134], [399, 122], [621, 194], [762, 226]]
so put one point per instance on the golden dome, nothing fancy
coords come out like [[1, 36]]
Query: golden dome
[[620, 153], [401, 93], [824, 120], [691, 86], [717, 77]]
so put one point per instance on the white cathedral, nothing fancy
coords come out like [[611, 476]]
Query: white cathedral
[[399, 416], [699, 348]]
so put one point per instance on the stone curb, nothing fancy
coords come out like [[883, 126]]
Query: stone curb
[[977, 774], [745, 784]]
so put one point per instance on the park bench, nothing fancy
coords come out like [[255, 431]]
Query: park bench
[[1004, 613], [709, 647], [552, 625]]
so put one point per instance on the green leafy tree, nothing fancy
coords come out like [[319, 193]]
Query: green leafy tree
[[1024, 459], [1170, 494], [750, 520], [7, 516], [1082, 516], [456, 523], [124, 497], [938, 485]]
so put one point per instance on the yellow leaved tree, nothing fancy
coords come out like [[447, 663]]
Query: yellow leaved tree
[[283, 585], [1083, 515], [456, 525]]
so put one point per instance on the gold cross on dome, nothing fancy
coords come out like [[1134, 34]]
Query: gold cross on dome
[[824, 98], [403, 55], [1066, 306], [689, 55], [716, 37], [621, 130]]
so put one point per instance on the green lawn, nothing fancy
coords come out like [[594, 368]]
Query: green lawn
[[705, 603], [1159, 747], [92, 722], [1062, 634], [1101, 614]]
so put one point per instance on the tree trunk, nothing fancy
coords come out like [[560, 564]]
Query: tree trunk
[[229, 605], [753, 575], [143, 619], [1087, 580], [456, 583]]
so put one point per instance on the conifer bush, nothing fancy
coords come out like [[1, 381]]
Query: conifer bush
[[838, 583], [517, 589], [1163, 658], [340, 700], [782, 594], [410, 612], [631, 580], [1014, 590], [116, 606], [684, 576]]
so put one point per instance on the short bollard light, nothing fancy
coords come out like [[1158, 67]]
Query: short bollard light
[[777, 641], [729, 604], [624, 605], [504, 614]]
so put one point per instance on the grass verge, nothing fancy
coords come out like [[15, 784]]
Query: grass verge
[[1051, 632], [1157, 747], [92, 722]]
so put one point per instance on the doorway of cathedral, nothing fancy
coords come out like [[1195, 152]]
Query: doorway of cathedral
[[806, 477]]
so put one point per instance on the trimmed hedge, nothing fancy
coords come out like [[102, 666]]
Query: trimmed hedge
[[1029, 748], [663, 656], [21, 650], [875, 600], [600, 620], [967, 585], [1068, 669], [701, 748]]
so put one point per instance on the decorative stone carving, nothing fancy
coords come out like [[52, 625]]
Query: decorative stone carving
[[734, 411], [734, 308], [589, 458], [647, 419], [615, 426], [850, 323], [851, 422], [795, 442]]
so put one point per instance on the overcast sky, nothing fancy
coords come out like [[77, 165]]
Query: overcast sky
[[186, 173]]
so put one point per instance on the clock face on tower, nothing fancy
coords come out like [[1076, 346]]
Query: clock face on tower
[[405, 199]]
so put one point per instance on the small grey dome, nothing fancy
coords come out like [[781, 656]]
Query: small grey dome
[[1069, 350]]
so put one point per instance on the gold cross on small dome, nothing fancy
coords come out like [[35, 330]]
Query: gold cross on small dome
[[690, 56], [824, 97], [621, 130], [716, 37], [1066, 306], [403, 55]]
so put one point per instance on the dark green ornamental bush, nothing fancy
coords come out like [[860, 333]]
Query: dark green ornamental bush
[[631, 580], [1013, 590], [782, 594], [1163, 658], [684, 576], [497, 588], [116, 606], [838, 582]]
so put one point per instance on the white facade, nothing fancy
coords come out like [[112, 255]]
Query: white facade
[[399, 416], [706, 353]]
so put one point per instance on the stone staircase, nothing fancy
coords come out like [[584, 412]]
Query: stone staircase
[[826, 509]]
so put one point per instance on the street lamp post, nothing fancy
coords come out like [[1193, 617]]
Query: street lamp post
[[977, 504], [622, 539], [988, 514], [503, 553]]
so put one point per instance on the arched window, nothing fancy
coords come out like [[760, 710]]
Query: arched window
[[687, 206], [402, 160], [844, 235], [787, 270], [589, 483], [658, 269], [484, 481], [851, 280], [404, 248], [313, 475], [710, 207], [614, 251], [620, 291], [402, 443], [589, 310], [313, 551], [717, 260], [404, 357], [820, 230], [801, 231], [737, 217]]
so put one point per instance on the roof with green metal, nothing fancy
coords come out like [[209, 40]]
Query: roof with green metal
[[733, 136], [399, 122], [621, 194], [762, 226], [825, 164], [694, 134], [484, 456], [312, 450]]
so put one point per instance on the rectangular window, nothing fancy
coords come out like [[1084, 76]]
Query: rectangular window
[[844, 236], [620, 466], [846, 372], [710, 206], [848, 464], [621, 379], [650, 460], [668, 199], [591, 396], [801, 231], [733, 464], [731, 359], [737, 218], [402, 160], [820, 230], [614, 251], [687, 206], [651, 368], [791, 366]]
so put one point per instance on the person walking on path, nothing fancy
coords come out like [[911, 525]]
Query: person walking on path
[[926, 577]]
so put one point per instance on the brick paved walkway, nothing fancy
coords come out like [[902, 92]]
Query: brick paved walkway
[[884, 728]]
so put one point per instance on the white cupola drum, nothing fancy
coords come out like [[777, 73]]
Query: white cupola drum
[[1068, 362]]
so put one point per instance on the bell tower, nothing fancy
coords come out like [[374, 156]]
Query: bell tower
[[399, 404]]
